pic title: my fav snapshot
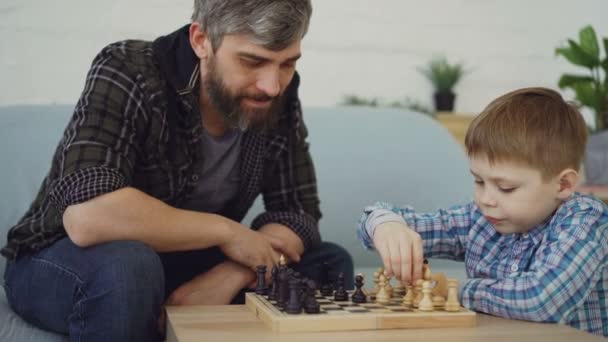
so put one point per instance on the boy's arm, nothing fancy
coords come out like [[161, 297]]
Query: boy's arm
[[400, 235], [570, 268]]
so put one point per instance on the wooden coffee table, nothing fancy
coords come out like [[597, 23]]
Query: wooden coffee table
[[228, 323]]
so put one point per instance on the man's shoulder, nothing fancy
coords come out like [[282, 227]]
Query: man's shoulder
[[133, 56]]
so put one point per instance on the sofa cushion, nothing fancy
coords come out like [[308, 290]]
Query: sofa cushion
[[13, 328]]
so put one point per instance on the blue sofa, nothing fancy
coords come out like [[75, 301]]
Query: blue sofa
[[361, 155]]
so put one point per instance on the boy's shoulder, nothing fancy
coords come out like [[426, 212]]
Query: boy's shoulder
[[580, 212]]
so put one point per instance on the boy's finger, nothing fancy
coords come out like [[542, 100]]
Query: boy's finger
[[417, 260]]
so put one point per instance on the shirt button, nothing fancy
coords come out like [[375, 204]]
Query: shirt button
[[524, 235], [195, 178], [514, 268]]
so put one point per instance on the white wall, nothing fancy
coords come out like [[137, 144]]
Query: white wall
[[365, 47]]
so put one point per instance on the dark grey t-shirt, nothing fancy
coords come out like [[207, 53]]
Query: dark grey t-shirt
[[219, 173]]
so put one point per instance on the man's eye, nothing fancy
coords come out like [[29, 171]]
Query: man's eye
[[252, 62]]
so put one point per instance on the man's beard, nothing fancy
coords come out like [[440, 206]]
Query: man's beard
[[231, 105]]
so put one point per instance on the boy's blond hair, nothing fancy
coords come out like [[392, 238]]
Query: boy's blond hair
[[533, 126]]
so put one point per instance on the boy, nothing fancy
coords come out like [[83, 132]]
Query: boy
[[533, 248]]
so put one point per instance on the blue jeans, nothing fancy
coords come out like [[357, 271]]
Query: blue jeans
[[115, 291]]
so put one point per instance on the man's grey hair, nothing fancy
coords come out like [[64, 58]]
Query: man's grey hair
[[273, 24]]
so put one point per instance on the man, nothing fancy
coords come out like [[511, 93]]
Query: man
[[169, 145]]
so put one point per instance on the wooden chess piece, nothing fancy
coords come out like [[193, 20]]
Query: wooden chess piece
[[261, 288], [382, 296], [389, 287], [340, 295], [376, 288], [294, 306], [441, 285], [426, 304], [426, 270], [408, 299], [452, 304], [327, 289], [311, 306], [399, 290], [418, 293], [272, 295], [358, 296]]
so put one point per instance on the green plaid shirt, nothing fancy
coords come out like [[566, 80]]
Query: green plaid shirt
[[137, 124]]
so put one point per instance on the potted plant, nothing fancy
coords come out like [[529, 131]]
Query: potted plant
[[591, 89], [443, 77]]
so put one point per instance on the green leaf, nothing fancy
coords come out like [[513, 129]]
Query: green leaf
[[589, 42], [568, 80], [575, 54], [586, 94], [606, 46]]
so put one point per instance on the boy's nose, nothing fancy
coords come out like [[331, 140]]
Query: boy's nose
[[487, 199]]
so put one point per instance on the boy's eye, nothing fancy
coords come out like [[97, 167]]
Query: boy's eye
[[478, 182], [507, 190]]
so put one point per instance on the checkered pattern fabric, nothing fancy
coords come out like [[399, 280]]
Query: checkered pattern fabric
[[137, 124]]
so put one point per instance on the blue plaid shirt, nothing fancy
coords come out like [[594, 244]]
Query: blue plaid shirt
[[556, 272]]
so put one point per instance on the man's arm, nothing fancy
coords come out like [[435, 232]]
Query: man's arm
[[98, 155], [129, 214], [291, 198]]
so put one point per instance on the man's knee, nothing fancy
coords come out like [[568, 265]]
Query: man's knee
[[125, 294]]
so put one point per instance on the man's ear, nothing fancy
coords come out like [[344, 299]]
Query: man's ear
[[199, 41], [568, 180]]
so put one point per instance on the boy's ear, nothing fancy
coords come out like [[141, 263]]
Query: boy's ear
[[568, 180]]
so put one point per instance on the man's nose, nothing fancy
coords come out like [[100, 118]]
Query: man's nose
[[269, 82]]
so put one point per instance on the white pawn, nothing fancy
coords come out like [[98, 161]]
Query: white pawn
[[426, 304], [389, 287], [408, 299], [382, 296], [452, 304]]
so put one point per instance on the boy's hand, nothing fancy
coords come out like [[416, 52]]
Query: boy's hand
[[401, 250]]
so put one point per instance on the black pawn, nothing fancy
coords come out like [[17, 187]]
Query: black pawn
[[359, 295], [261, 288], [272, 295], [282, 289], [326, 287], [294, 306], [311, 306], [340, 295]]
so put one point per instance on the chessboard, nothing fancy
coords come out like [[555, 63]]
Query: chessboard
[[346, 315]]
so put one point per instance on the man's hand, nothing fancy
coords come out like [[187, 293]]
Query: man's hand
[[400, 248], [215, 287], [251, 248], [291, 245]]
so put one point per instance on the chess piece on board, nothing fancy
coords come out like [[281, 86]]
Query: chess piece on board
[[389, 287], [382, 296], [340, 295], [272, 295], [327, 288], [426, 304], [399, 290], [452, 304], [408, 299], [359, 296], [261, 288], [294, 306], [311, 306], [417, 293], [426, 270]]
